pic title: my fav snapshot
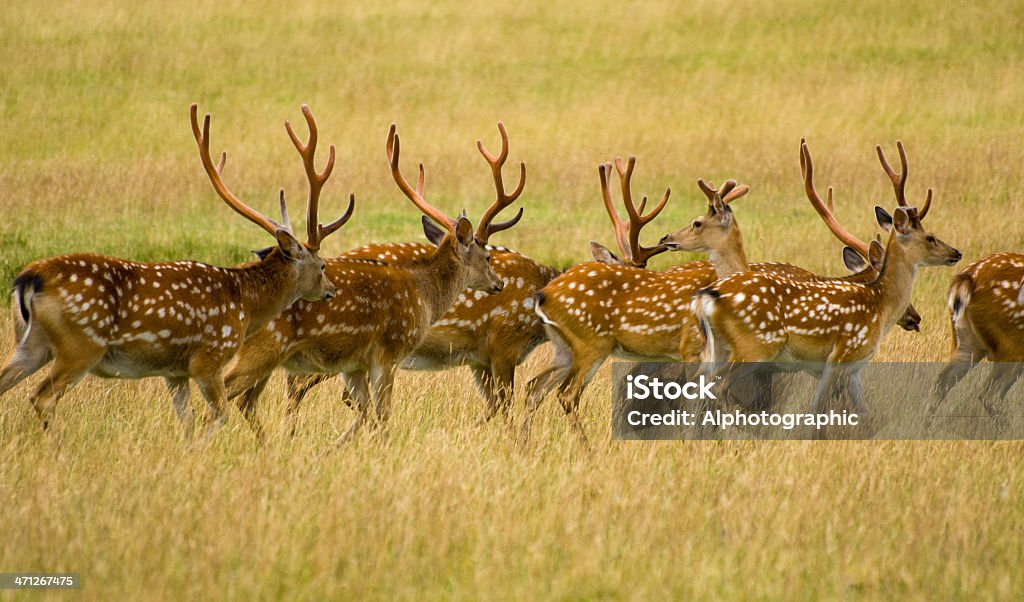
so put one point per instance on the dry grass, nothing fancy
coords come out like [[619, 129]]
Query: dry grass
[[95, 154]]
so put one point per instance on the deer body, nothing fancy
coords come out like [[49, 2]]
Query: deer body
[[763, 317], [986, 310]]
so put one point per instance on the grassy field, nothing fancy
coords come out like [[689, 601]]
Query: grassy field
[[96, 154]]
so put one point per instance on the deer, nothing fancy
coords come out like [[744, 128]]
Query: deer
[[986, 315], [386, 313], [182, 320], [639, 314], [751, 317], [491, 333]]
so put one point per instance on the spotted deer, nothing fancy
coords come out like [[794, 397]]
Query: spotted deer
[[986, 314], [595, 310], [384, 313], [117, 318], [491, 333], [763, 317]]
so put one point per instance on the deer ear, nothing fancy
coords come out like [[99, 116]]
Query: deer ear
[[262, 253], [854, 262], [717, 205], [725, 215], [464, 231], [431, 230], [901, 221], [291, 247], [876, 253], [883, 218], [602, 254]]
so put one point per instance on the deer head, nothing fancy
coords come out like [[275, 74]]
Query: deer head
[[906, 231]]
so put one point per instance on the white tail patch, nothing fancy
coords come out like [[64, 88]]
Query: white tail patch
[[540, 314], [703, 306], [959, 297]]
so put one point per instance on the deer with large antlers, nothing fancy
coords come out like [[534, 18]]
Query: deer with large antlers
[[637, 313], [986, 314], [117, 318], [491, 333], [386, 312], [761, 317]]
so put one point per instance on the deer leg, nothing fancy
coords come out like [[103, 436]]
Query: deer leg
[[497, 384], [247, 404], [485, 384], [68, 369], [855, 390], [1004, 375], [968, 351], [359, 386], [541, 385], [207, 375], [383, 378], [252, 365], [585, 365], [178, 387], [829, 384], [503, 377], [299, 385], [32, 353]]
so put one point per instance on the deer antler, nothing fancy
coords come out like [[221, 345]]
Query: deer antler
[[214, 172], [485, 228], [315, 232], [826, 209], [730, 191], [899, 181], [628, 236], [394, 149]]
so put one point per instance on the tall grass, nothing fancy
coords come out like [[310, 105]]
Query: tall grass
[[96, 154]]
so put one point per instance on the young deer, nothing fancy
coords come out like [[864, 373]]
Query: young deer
[[117, 318], [385, 314], [763, 317], [643, 314], [491, 333], [986, 312]]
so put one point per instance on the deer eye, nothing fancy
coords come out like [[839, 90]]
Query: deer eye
[[697, 224], [930, 239]]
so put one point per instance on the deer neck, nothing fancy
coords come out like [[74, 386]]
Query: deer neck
[[265, 289], [439, 278], [730, 258], [895, 282]]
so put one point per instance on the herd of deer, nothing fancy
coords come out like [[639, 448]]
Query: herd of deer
[[460, 301]]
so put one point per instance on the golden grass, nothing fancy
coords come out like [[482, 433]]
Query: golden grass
[[95, 154]]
